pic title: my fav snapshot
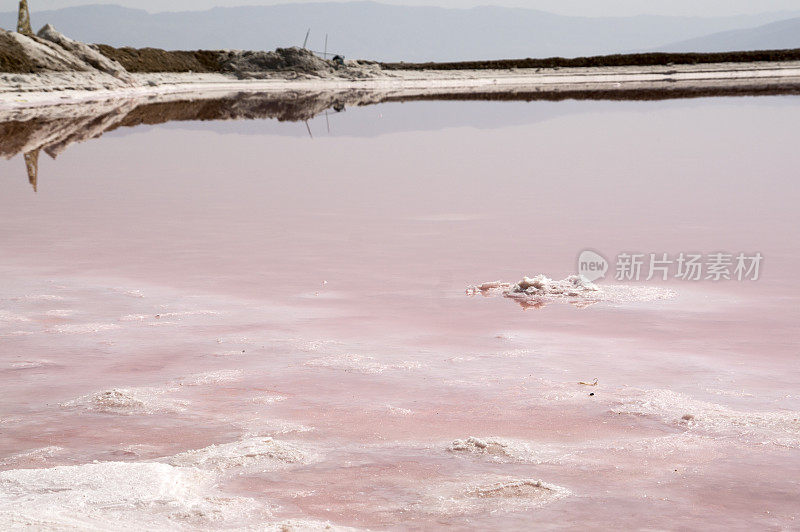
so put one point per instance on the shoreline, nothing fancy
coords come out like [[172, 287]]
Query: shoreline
[[57, 88]]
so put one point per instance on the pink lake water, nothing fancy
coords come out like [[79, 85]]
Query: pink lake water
[[233, 325]]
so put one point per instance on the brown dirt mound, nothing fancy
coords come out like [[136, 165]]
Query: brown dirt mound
[[13, 58], [247, 64], [649, 59], [151, 60], [243, 63]]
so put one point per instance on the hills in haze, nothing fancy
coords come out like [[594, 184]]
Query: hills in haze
[[774, 36], [394, 33]]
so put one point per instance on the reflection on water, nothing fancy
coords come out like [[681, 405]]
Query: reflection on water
[[32, 165], [52, 129]]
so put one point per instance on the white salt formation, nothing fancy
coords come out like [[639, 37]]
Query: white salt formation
[[33, 458], [501, 450], [538, 291], [212, 377], [127, 401], [84, 328], [262, 453], [503, 495], [534, 490], [481, 446], [113, 496], [306, 525], [780, 428], [359, 363], [85, 53]]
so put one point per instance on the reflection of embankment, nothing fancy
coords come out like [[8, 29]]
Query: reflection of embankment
[[667, 91], [52, 129]]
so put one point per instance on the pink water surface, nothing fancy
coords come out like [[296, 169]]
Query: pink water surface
[[261, 283]]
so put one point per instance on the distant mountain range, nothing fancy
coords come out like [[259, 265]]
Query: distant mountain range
[[398, 33], [775, 36]]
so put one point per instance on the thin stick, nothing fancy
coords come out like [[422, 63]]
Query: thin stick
[[325, 53], [306, 39]]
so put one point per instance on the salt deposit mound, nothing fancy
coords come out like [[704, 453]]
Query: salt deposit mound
[[538, 291], [306, 525], [50, 51], [502, 495], [535, 490], [252, 64], [85, 53], [127, 401], [262, 453], [781, 427], [115, 496], [496, 449]]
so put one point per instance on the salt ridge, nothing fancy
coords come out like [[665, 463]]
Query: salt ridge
[[540, 290]]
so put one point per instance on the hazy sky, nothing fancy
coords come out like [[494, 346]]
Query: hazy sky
[[570, 7]]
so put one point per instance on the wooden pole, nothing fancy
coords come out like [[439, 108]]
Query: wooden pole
[[306, 39], [24, 19]]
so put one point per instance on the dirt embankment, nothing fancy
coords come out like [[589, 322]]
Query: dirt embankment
[[151, 60], [244, 64], [50, 51], [13, 57], [618, 60]]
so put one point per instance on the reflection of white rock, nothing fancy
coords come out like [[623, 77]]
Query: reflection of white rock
[[262, 453], [115, 496]]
